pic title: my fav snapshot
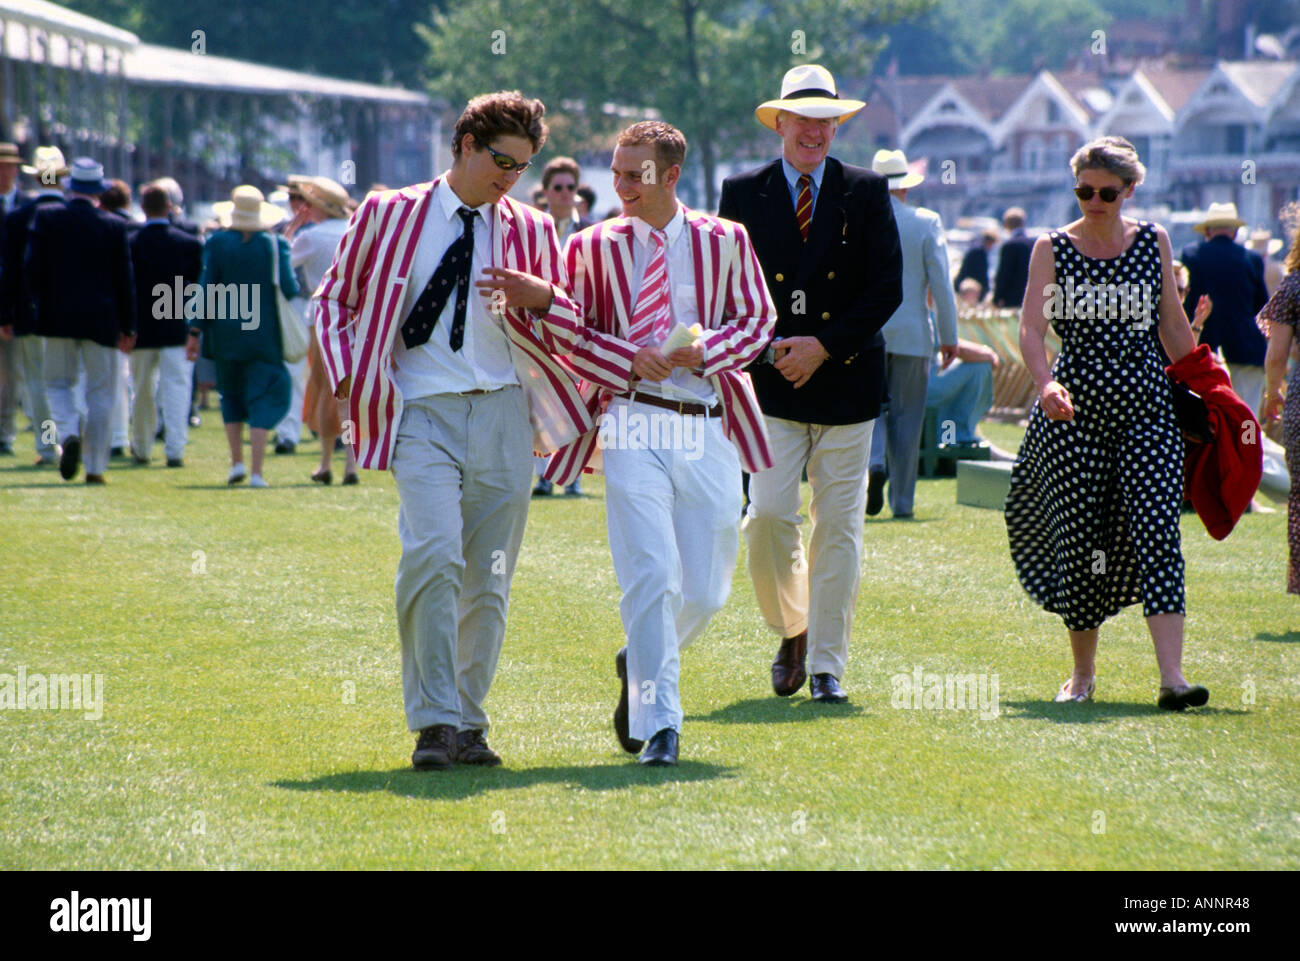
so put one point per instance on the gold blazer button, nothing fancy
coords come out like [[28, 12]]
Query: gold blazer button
[[826, 316], [780, 278], [831, 275]]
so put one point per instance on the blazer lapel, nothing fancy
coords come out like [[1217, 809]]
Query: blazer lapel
[[616, 256]]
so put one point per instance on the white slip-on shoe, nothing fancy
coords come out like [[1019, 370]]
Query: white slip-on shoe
[[237, 473]]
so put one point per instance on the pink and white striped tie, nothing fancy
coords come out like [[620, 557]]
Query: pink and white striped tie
[[651, 320]]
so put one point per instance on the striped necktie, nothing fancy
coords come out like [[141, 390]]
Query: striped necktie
[[650, 319], [803, 209]]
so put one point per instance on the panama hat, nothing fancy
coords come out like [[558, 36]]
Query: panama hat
[[9, 154], [87, 177], [294, 187], [1264, 238], [810, 92], [325, 194], [893, 164], [47, 159], [247, 209], [1220, 215]]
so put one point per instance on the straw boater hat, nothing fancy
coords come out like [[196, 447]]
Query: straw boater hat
[[1264, 237], [326, 195], [893, 164], [247, 209], [47, 159], [1220, 215], [810, 92], [9, 154], [294, 187]]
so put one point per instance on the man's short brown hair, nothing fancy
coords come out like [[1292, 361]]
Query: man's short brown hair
[[501, 114], [668, 142], [154, 200], [117, 196], [1013, 219], [560, 165]]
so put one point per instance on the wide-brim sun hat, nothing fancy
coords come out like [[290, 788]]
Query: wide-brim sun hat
[[325, 195], [47, 159], [809, 91], [247, 209], [1220, 215]]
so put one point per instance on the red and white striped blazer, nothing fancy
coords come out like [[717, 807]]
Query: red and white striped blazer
[[733, 305], [359, 303]]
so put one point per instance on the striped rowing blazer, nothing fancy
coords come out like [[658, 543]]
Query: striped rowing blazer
[[733, 306], [359, 313]]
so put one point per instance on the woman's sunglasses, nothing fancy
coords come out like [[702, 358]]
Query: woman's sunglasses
[[510, 165], [1107, 194]]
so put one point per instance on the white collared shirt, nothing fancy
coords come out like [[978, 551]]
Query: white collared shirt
[[483, 362], [682, 304]]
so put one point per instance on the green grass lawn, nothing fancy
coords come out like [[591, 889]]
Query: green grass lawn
[[252, 710]]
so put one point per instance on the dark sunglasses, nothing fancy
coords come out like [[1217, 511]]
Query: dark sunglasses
[[1107, 194], [509, 164], [564, 187]]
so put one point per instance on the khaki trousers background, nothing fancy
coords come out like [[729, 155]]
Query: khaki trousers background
[[814, 591]]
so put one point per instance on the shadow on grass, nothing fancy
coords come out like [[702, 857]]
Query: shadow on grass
[[462, 782], [1099, 712], [760, 710], [1290, 637]]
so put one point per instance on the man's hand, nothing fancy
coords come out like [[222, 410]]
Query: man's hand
[[689, 357], [125, 342], [949, 354], [192, 348], [797, 358], [517, 288], [344, 388], [649, 364]]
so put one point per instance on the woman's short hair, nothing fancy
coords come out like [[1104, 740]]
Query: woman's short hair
[[1115, 155]]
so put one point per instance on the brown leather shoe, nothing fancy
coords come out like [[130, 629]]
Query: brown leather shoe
[[788, 670], [95, 479], [472, 748], [436, 748]]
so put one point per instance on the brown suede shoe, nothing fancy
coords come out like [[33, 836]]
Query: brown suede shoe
[[472, 748], [788, 670], [436, 748]]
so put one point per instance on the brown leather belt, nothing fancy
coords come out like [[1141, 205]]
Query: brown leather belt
[[680, 406]]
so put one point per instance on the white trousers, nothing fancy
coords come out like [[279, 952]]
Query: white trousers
[[64, 359], [816, 591], [290, 428], [671, 506], [1248, 384], [160, 374], [121, 402], [32, 351]]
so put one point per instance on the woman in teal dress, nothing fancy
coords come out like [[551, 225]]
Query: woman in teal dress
[[240, 327]]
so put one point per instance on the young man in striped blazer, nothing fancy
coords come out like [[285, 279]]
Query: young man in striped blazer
[[452, 389], [679, 423]]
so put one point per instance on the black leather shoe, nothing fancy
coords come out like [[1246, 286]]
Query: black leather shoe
[[875, 493], [117, 453], [543, 488], [826, 688], [70, 459], [630, 744], [788, 670], [661, 751], [472, 748], [286, 447], [436, 748], [175, 462]]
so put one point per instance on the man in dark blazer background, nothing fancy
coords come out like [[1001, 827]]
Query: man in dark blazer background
[[1233, 276], [79, 272], [162, 256], [1013, 261], [825, 236], [975, 262]]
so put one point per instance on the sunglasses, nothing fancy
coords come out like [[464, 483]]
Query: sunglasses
[[508, 163], [1107, 194], [564, 187]]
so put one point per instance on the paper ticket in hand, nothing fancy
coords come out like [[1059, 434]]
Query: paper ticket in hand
[[681, 336]]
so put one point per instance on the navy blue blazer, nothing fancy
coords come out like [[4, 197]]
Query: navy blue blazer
[[79, 271], [1234, 278], [1013, 271], [974, 264], [15, 296], [160, 255], [841, 286]]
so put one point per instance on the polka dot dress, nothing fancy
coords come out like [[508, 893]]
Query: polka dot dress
[[1093, 511]]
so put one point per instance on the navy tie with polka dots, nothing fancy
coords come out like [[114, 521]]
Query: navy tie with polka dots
[[454, 269]]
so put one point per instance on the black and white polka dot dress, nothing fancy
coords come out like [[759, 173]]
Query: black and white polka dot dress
[[1093, 511]]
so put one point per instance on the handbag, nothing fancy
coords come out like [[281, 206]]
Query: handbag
[[1192, 414], [294, 336]]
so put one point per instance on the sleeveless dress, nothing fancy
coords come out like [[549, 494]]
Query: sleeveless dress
[[1284, 308], [1093, 510]]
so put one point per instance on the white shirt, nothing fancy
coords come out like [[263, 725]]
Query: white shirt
[[683, 384], [483, 362], [313, 250]]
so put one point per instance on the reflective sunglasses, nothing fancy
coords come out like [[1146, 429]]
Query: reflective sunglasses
[[510, 165], [1107, 194]]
